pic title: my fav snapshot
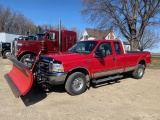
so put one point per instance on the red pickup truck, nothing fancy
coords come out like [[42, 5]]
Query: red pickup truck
[[92, 61]]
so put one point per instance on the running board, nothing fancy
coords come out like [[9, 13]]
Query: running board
[[97, 81]]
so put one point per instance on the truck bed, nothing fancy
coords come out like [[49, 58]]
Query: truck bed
[[130, 52]]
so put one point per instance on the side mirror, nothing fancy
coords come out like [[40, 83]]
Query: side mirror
[[103, 53], [52, 36], [100, 54]]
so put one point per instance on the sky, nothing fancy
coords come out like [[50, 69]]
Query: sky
[[51, 11]]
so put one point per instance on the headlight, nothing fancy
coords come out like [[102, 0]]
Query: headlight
[[55, 67]]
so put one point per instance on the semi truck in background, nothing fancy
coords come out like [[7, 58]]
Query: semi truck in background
[[51, 41], [6, 40], [5, 49]]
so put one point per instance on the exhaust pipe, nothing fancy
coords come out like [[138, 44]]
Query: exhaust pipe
[[60, 42]]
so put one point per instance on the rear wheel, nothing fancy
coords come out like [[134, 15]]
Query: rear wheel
[[139, 71], [28, 59], [76, 83], [7, 54]]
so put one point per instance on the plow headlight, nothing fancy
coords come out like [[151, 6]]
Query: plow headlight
[[55, 67]]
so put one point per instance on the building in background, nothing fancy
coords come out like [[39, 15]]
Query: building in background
[[91, 34]]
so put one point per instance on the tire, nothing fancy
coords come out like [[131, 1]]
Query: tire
[[6, 54], [76, 83], [139, 71], [29, 56]]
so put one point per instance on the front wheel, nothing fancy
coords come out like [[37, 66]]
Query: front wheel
[[28, 59], [139, 71], [76, 83]]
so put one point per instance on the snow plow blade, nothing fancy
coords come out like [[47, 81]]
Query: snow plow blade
[[20, 78]]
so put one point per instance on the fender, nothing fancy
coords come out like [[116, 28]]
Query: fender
[[142, 61], [81, 67], [21, 53]]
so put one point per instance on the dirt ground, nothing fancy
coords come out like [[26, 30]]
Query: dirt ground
[[129, 99]]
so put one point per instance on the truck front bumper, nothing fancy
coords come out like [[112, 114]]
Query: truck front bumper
[[56, 78]]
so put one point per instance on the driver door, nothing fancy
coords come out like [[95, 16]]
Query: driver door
[[103, 66]]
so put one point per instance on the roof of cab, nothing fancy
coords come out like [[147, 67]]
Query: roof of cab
[[103, 40]]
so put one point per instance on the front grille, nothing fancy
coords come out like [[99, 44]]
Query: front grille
[[44, 63], [43, 66]]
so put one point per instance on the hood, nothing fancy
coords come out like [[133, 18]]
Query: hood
[[66, 56]]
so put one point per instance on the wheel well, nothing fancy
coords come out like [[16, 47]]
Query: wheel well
[[24, 54], [82, 70], [142, 62], [4, 51]]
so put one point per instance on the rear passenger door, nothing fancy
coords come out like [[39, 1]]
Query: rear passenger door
[[119, 57]]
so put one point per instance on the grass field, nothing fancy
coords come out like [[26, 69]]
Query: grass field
[[155, 62]]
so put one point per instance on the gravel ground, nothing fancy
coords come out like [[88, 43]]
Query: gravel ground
[[129, 99]]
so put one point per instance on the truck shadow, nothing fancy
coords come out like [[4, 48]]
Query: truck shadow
[[58, 88], [33, 96], [36, 94]]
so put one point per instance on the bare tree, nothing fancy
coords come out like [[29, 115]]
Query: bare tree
[[56, 27], [149, 40], [46, 26], [131, 17], [53, 27], [75, 29], [14, 22]]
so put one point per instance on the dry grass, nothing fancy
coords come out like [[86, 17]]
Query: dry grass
[[155, 62]]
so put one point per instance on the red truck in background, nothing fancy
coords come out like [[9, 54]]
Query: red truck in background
[[92, 61], [27, 50]]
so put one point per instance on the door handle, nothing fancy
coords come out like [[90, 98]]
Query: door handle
[[114, 59]]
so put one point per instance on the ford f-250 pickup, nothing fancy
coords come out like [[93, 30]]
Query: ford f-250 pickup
[[87, 61]]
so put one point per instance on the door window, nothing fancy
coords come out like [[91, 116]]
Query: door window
[[104, 46], [117, 48]]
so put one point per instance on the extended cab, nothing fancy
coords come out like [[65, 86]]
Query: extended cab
[[87, 61]]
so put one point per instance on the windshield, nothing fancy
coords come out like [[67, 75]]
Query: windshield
[[40, 36], [84, 47]]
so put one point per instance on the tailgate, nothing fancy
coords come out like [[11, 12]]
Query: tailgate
[[20, 78]]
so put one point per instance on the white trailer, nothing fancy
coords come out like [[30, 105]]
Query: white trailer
[[6, 37]]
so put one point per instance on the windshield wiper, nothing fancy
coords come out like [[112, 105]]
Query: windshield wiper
[[78, 51], [75, 51]]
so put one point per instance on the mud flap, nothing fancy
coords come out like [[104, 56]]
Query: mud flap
[[20, 78]]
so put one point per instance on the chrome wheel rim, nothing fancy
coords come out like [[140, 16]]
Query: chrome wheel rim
[[8, 54], [26, 58], [78, 84], [140, 72]]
